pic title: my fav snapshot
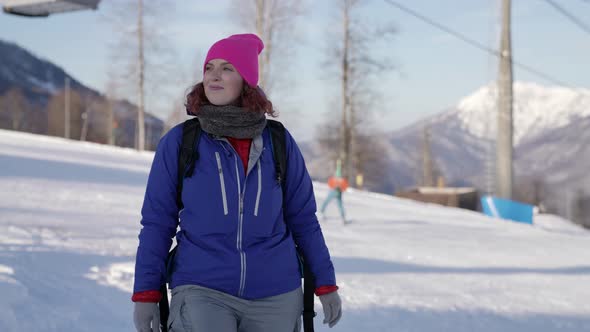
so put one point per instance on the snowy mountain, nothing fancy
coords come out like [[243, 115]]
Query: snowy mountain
[[69, 219], [37, 78], [550, 123], [537, 109]]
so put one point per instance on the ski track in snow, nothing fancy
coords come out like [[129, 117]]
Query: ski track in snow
[[69, 220]]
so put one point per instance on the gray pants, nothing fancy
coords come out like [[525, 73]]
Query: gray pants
[[199, 309]]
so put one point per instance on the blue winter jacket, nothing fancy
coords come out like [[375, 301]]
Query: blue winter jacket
[[234, 234]]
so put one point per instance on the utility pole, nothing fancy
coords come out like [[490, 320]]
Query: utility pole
[[427, 172], [504, 148], [67, 108], [140, 111]]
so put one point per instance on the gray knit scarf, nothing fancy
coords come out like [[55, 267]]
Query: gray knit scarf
[[231, 121]]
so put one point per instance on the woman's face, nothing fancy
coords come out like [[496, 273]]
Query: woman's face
[[223, 84]]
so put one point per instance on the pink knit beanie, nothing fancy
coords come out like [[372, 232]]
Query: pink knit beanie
[[242, 52]]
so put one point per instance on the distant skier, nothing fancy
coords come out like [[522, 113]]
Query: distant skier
[[337, 185]]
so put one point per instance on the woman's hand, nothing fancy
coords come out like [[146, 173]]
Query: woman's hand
[[332, 306], [146, 316]]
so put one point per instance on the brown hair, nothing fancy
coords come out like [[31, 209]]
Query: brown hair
[[252, 99]]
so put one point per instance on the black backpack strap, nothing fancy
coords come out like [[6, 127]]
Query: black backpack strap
[[164, 309], [308, 292], [279, 150], [188, 154], [187, 157]]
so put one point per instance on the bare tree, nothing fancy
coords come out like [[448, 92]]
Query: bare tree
[[274, 22], [531, 189], [177, 115], [427, 164], [581, 208], [13, 109], [143, 54], [185, 78], [109, 106], [328, 137], [357, 69], [97, 119], [56, 115], [371, 158]]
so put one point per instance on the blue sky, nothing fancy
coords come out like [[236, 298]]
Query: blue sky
[[434, 70]]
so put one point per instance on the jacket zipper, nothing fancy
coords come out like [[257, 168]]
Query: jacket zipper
[[241, 192], [240, 230]]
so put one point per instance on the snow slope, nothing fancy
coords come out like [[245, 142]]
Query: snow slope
[[69, 219]]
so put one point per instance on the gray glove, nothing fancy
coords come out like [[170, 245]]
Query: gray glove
[[146, 316], [332, 306]]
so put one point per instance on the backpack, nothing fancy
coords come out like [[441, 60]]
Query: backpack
[[188, 155]]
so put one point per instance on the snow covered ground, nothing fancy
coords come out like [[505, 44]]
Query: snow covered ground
[[69, 219]]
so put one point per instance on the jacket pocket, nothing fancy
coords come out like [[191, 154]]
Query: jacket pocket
[[175, 307], [268, 217], [177, 321]]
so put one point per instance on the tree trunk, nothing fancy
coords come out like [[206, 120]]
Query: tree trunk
[[345, 130], [140, 111]]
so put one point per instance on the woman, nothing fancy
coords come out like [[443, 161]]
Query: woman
[[236, 266]]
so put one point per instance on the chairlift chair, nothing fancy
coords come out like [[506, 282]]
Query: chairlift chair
[[44, 8]]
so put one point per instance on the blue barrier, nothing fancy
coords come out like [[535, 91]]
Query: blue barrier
[[507, 209]]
